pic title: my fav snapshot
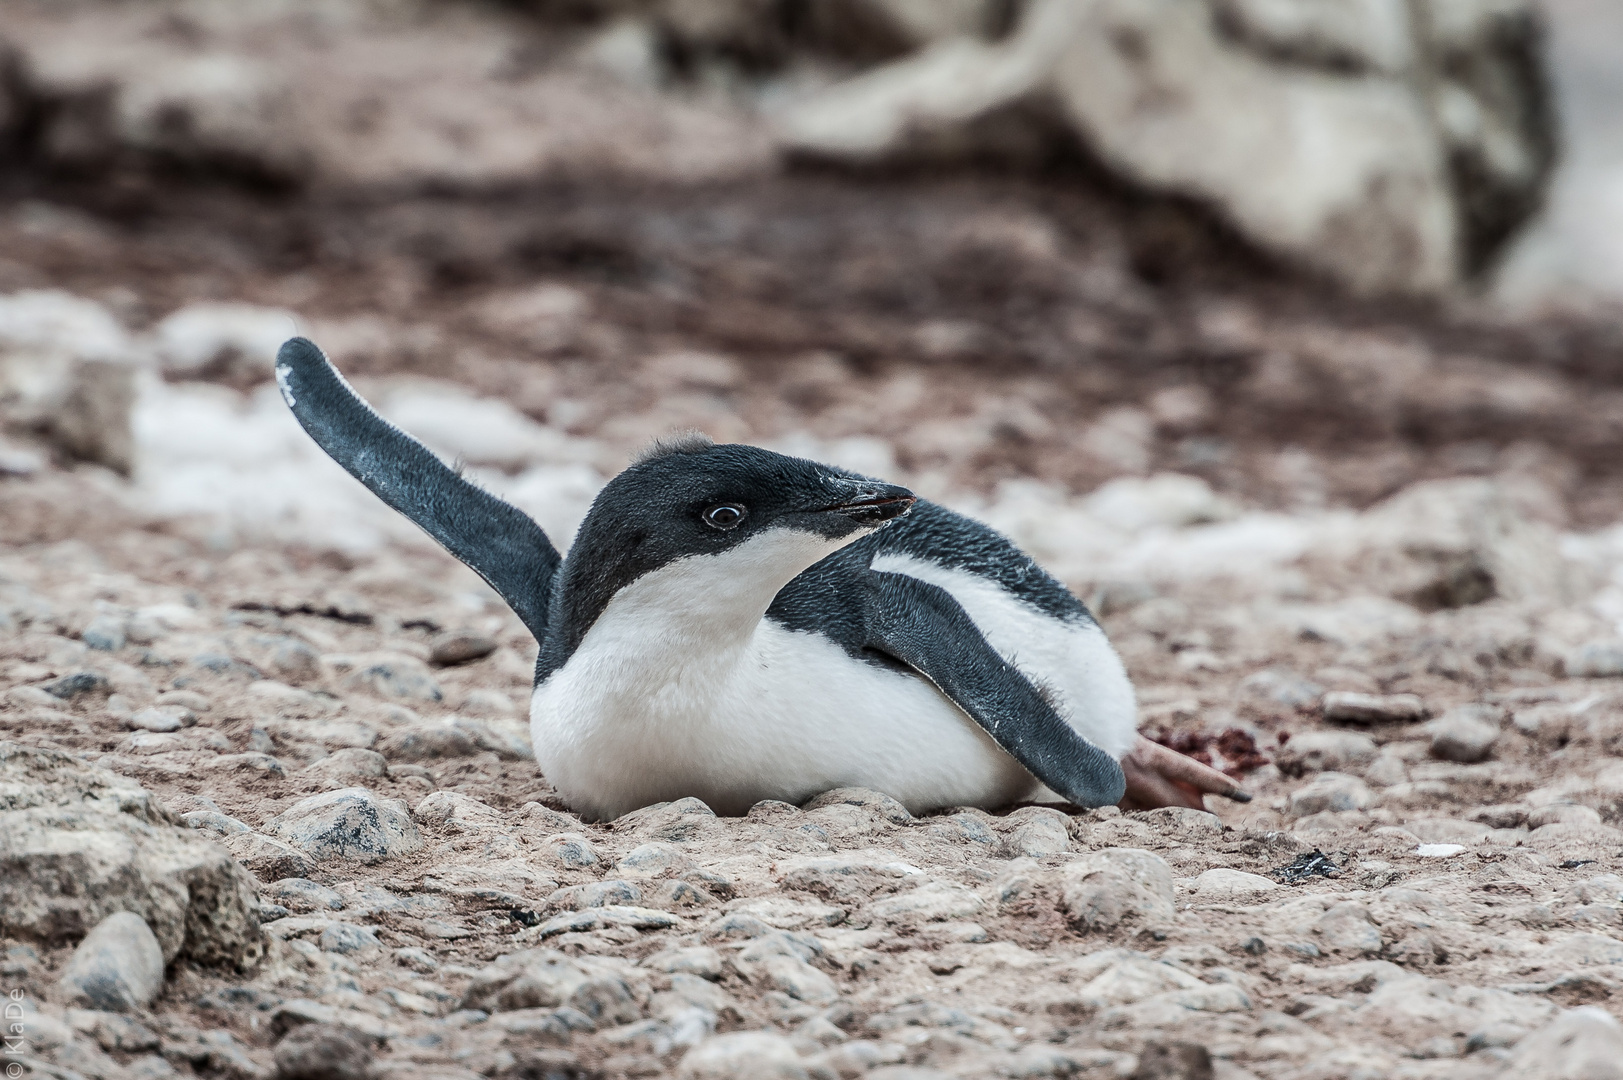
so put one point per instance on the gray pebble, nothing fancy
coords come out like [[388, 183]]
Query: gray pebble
[[215, 822], [351, 823], [346, 938], [323, 1052], [105, 632], [1596, 660], [303, 895], [1465, 734], [117, 967]]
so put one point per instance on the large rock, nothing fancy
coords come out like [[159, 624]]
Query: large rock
[[1388, 151], [79, 843]]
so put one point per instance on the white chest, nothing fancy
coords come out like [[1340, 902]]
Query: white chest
[[670, 694]]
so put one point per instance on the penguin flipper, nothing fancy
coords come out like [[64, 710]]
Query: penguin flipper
[[924, 627], [496, 539]]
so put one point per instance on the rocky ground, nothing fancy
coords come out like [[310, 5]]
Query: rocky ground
[[1365, 555]]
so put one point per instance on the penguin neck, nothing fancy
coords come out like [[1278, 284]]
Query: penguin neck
[[702, 607]]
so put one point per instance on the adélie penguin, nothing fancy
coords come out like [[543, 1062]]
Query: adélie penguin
[[738, 625]]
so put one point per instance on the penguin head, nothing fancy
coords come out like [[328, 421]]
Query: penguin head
[[741, 520], [689, 496]]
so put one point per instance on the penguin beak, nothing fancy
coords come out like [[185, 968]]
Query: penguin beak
[[876, 504]]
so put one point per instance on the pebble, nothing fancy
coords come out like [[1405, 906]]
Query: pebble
[[323, 1052], [571, 851], [295, 661], [1220, 885], [698, 960], [1596, 660], [1347, 927], [351, 761], [346, 938], [460, 647], [215, 822], [1330, 791], [877, 801], [184, 699], [160, 719], [1354, 708], [303, 895], [351, 823], [105, 633], [1582, 1042], [743, 1055], [117, 967], [1464, 734], [1325, 751], [1106, 888], [77, 684], [1038, 831], [654, 860]]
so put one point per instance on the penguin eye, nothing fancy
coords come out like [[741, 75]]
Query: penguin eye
[[724, 517]]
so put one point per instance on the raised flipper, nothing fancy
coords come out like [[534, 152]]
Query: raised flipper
[[496, 539], [924, 627]]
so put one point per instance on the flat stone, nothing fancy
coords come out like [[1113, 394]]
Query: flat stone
[[1330, 792], [460, 647], [603, 918], [1354, 708], [351, 823], [1220, 885], [160, 719], [213, 821], [117, 967], [1325, 751], [350, 761], [1347, 927]]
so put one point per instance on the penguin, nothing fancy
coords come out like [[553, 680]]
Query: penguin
[[738, 625]]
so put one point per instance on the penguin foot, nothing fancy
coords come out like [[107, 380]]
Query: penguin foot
[[1158, 776]]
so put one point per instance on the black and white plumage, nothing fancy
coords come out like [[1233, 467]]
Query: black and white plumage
[[738, 625]]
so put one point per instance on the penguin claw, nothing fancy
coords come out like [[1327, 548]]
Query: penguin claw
[[1159, 776]]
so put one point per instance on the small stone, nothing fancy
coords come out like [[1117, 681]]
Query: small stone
[[571, 851], [160, 719], [933, 901], [743, 1055], [1106, 888], [295, 661], [389, 675], [69, 687], [1325, 751], [346, 938], [184, 699], [351, 761], [654, 860], [1173, 1061], [1330, 791], [699, 960], [105, 632], [1347, 927], [1038, 831], [1438, 851], [684, 819], [351, 823], [1463, 735], [1283, 686], [1354, 708], [594, 894], [1582, 1042], [1596, 660], [117, 967], [215, 822], [460, 647], [419, 960], [323, 1052], [877, 801], [1221, 885]]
